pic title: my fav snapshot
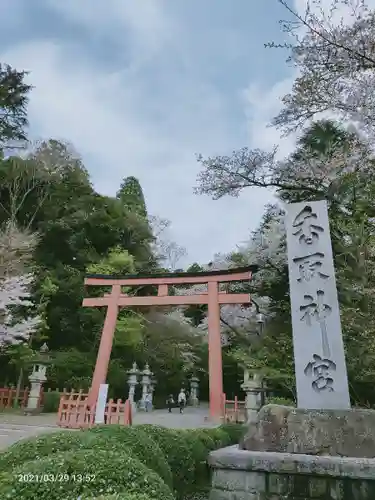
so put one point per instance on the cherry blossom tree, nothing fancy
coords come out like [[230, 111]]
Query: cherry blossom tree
[[175, 335], [266, 249], [330, 163], [332, 49], [14, 293], [237, 321], [16, 248], [168, 252], [324, 154]]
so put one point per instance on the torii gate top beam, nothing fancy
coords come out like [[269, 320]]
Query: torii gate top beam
[[165, 280], [238, 274]]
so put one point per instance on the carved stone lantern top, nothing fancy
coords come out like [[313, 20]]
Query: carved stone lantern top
[[44, 349], [147, 372], [134, 369]]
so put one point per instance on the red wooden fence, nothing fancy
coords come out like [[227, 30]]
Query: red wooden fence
[[234, 410], [8, 396], [75, 413]]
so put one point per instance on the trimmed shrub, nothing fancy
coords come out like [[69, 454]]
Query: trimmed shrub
[[280, 401], [51, 401], [179, 451], [219, 436], [205, 439], [200, 452], [39, 447], [110, 438], [122, 496], [139, 442], [92, 473], [234, 431], [160, 450]]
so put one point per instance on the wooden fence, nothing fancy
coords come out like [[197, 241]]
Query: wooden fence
[[75, 413], [234, 410], [8, 396]]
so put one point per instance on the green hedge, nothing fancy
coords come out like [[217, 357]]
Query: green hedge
[[41, 446], [186, 452], [122, 496], [107, 472], [199, 455], [167, 460], [219, 436], [51, 401], [204, 437], [112, 438], [179, 452], [234, 431], [141, 444], [280, 401]]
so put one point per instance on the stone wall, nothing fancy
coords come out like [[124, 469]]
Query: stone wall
[[248, 475]]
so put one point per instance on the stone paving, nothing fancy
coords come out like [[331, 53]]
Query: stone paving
[[190, 419], [14, 427]]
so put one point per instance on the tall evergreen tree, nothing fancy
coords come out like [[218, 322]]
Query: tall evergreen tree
[[13, 102], [131, 194]]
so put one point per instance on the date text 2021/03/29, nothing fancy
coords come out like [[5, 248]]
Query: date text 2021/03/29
[[56, 478]]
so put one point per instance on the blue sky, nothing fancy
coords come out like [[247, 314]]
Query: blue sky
[[140, 87]]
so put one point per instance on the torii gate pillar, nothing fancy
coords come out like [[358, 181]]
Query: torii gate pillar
[[215, 358], [105, 347]]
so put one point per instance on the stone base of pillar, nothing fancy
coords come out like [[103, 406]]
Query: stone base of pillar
[[33, 411], [251, 415], [290, 452], [214, 420], [34, 394], [134, 408], [252, 403]]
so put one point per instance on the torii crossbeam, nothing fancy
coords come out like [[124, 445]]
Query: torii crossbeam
[[213, 298]]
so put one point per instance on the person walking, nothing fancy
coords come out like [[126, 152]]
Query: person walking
[[170, 403], [182, 400]]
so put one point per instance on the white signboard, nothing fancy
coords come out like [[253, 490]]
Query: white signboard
[[101, 403], [319, 357]]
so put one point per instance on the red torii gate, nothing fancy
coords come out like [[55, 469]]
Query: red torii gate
[[213, 298]]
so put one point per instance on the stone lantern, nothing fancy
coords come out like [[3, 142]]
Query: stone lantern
[[37, 378], [146, 382], [132, 382], [152, 388], [194, 388], [252, 386]]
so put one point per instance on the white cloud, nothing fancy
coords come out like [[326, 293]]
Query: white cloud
[[261, 106], [122, 127], [105, 117], [148, 28]]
